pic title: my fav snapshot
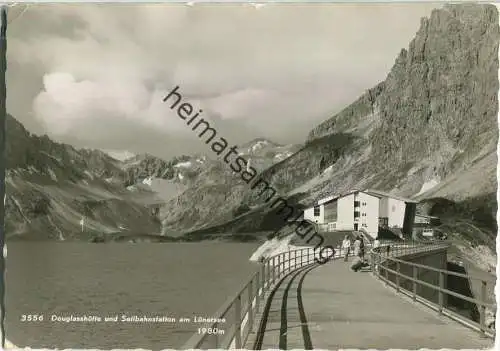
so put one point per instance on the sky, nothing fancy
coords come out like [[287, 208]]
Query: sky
[[94, 75]]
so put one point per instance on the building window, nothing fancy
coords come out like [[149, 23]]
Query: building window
[[356, 214], [316, 211], [356, 203], [383, 221]]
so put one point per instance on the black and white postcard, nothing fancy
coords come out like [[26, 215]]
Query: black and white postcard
[[249, 176]]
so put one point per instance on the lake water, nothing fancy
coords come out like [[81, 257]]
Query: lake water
[[107, 280]]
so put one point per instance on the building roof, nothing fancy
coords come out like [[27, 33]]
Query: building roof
[[379, 193], [335, 197], [325, 200], [376, 193]]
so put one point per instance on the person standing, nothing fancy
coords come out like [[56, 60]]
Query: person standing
[[376, 249], [361, 248], [346, 245], [358, 254], [357, 246]]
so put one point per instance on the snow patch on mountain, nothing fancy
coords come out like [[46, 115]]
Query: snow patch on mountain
[[52, 174], [258, 145], [148, 181], [90, 175], [184, 164], [120, 155], [328, 169], [428, 185], [283, 155], [414, 170]]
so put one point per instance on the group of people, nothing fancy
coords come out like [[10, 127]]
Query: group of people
[[359, 251], [358, 247]]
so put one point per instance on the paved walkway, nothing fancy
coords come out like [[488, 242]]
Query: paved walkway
[[331, 307]]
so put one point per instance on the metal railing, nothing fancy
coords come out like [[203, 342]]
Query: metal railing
[[429, 285], [235, 320], [391, 248]]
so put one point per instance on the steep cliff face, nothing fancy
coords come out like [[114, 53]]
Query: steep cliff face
[[434, 118], [440, 99]]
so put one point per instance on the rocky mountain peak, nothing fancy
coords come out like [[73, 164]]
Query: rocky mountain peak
[[436, 112]]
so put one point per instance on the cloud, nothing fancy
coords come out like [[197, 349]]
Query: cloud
[[242, 103], [66, 105]]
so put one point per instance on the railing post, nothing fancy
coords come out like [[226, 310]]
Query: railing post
[[373, 262], [274, 269], [281, 258], [398, 270], [295, 260], [482, 316], [237, 320], [278, 267], [268, 273], [263, 279], [289, 261], [440, 292], [301, 257], [257, 294], [414, 283], [386, 271], [250, 306], [281, 264], [286, 262], [262, 282]]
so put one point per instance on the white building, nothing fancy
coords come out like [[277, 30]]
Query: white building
[[363, 210], [394, 209]]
